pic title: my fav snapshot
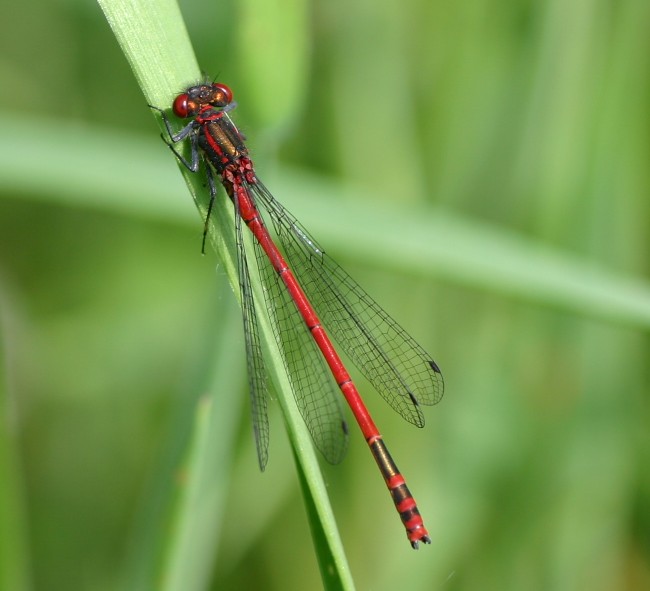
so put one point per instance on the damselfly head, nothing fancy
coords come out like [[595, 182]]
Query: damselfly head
[[196, 98]]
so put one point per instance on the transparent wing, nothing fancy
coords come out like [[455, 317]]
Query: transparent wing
[[316, 393], [257, 374], [397, 366]]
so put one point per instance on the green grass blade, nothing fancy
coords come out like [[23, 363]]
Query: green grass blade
[[201, 506], [79, 173], [156, 45], [155, 42]]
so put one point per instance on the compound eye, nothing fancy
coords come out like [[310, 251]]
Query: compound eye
[[180, 107], [222, 95]]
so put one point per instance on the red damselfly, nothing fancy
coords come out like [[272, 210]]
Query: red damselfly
[[298, 294]]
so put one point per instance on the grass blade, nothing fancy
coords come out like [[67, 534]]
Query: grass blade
[[157, 47]]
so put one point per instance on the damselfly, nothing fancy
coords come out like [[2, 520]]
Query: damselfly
[[307, 294]]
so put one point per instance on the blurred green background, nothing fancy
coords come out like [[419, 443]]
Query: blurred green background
[[512, 136]]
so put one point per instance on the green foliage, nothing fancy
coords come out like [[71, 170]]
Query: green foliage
[[481, 168]]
